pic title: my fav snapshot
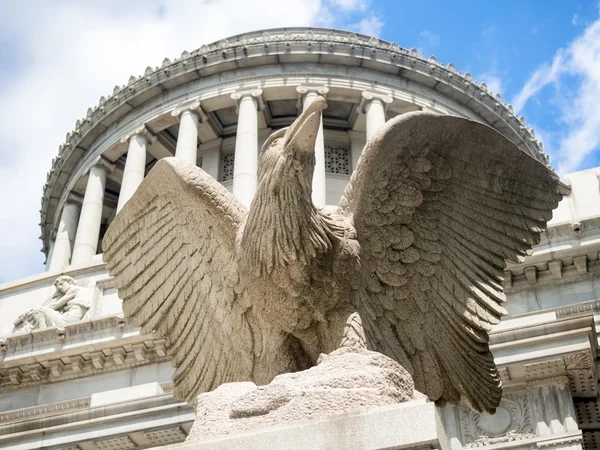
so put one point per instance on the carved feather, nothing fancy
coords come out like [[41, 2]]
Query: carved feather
[[439, 204], [171, 251]]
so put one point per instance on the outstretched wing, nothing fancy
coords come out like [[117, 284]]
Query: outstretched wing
[[439, 204], [171, 253]]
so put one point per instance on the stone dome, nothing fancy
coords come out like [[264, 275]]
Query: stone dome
[[278, 68]]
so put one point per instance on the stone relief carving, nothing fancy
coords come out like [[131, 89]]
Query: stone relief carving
[[582, 377], [581, 360], [409, 265], [511, 422], [69, 303]]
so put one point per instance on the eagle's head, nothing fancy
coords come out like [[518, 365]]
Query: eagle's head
[[288, 155], [283, 225]]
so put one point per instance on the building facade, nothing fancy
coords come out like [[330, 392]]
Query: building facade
[[75, 374]]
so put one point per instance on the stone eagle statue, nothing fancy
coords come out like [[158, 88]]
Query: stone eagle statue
[[410, 264]]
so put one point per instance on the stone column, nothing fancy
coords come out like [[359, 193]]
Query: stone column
[[357, 143], [65, 237], [263, 135], [307, 95], [190, 115], [135, 165], [246, 145], [211, 157], [374, 105], [88, 230]]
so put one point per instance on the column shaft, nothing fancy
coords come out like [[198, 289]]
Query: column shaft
[[357, 143], [135, 168], [263, 135], [246, 150], [211, 158], [65, 237], [88, 230], [375, 116], [187, 140], [319, 183]]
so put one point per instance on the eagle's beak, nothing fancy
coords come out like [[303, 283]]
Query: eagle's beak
[[302, 134]]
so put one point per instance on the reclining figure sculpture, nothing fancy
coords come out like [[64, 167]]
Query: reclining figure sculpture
[[69, 304], [409, 265]]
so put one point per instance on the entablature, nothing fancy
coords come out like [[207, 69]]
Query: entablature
[[426, 81]]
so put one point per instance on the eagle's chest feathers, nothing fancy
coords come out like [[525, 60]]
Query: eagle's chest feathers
[[288, 250]]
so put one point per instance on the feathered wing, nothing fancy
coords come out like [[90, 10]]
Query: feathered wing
[[171, 251], [439, 204]]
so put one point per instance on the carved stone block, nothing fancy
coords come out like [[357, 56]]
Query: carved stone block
[[346, 380], [511, 422]]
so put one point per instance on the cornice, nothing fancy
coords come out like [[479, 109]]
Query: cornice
[[267, 47], [70, 413], [25, 361], [557, 268], [575, 369], [179, 414], [39, 412]]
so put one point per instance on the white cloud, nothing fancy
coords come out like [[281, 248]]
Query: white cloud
[[427, 41], [371, 26], [343, 14], [352, 5], [575, 75], [545, 74], [492, 81], [69, 53]]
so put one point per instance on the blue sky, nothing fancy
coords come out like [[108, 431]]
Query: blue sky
[[58, 57], [507, 43]]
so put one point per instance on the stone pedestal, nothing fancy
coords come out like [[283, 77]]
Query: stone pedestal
[[352, 399], [412, 425]]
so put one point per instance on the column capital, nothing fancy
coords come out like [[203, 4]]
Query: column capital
[[303, 90], [369, 96], [317, 89], [105, 164], [254, 93], [141, 131], [72, 197], [192, 105]]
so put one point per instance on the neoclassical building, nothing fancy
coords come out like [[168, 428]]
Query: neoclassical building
[[75, 374]]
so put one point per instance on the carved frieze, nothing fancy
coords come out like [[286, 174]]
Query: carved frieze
[[582, 379], [511, 422], [108, 359]]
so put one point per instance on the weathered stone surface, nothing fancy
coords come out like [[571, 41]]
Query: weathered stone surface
[[412, 425], [345, 380], [410, 264]]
